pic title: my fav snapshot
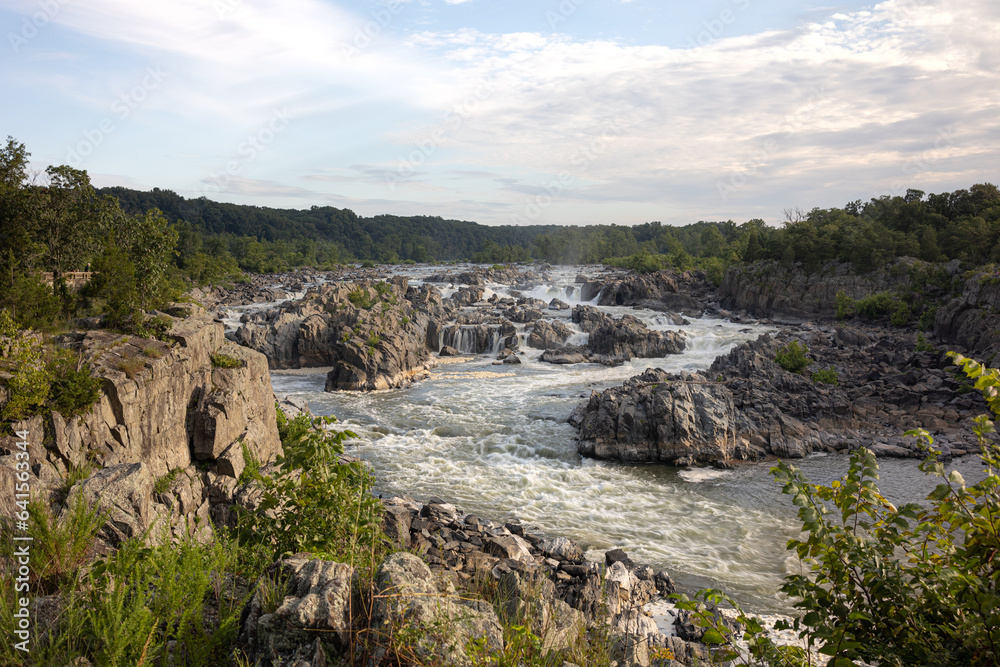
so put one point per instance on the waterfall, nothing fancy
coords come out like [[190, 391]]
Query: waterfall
[[473, 338]]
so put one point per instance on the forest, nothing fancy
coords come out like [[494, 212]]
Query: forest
[[964, 225], [147, 247]]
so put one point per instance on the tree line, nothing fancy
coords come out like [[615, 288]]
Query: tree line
[[148, 247]]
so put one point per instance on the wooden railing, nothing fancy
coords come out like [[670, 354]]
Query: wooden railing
[[73, 278]]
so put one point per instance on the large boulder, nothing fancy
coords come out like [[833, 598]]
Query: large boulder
[[313, 619], [409, 602], [653, 417]]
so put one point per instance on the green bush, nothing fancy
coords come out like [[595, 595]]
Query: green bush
[[220, 360], [361, 298], [927, 318], [826, 376], [792, 357], [74, 389], [875, 306], [33, 303], [887, 585], [923, 345], [844, 305], [383, 288], [900, 315], [30, 380], [315, 502]]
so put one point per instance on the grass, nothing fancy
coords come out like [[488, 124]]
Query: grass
[[162, 484], [220, 360], [131, 366], [152, 352]]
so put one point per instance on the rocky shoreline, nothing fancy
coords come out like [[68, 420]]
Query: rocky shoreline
[[178, 417]]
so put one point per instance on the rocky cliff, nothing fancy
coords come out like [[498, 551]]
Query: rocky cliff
[[375, 335], [772, 290], [746, 406], [972, 320], [168, 411]]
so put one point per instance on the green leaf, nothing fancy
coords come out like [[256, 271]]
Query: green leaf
[[713, 636]]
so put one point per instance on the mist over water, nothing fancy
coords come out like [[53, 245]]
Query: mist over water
[[493, 439]]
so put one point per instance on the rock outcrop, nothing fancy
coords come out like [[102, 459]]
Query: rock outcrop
[[973, 319], [375, 335], [165, 408], [772, 290], [746, 406], [686, 292]]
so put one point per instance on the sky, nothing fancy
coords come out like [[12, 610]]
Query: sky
[[569, 112]]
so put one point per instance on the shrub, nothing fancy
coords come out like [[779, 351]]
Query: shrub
[[383, 288], [927, 318], [900, 314], [315, 502], [59, 547], [875, 306], [792, 357], [220, 360], [826, 376], [361, 298], [163, 483], [152, 352], [74, 388], [844, 305], [367, 264], [30, 379], [923, 345]]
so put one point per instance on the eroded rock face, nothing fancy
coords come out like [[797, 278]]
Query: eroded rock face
[[548, 335], [973, 319], [654, 417], [746, 406], [686, 292], [375, 335], [313, 619], [163, 406], [409, 598]]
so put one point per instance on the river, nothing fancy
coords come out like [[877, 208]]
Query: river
[[493, 440]]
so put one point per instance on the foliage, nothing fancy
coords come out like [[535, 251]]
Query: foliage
[[73, 387], [316, 502], [32, 303], [906, 585], [900, 314], [844, 305], [30, 382], [875, 306], [923, 345], [792, 357], [131, 366], [760, 648], [826, 376], [148, 606], [59, 547], [361, 298], [220, 360], [163, 484]]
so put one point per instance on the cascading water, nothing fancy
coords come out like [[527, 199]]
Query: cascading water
[[494, 441], [472, 338]]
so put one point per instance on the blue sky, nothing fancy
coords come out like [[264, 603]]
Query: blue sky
[[551, 112]]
